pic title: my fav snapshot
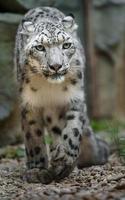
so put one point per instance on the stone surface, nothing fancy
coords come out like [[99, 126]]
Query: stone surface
[[108, 65], [8, 26], [95, 183], [107, 2], [8, 97]]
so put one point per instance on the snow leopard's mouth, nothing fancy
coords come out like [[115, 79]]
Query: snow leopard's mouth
[[56, 77]]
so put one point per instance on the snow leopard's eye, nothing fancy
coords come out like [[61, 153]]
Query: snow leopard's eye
[[66, 45], [40, 48]]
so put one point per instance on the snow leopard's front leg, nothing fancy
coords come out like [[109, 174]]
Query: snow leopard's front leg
[[32, 125], [65, 154]]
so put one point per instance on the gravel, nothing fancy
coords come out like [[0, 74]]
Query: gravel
[[105, 182]]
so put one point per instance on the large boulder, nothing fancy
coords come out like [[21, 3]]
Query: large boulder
[[108, 66], [8, 96], [21, 6]]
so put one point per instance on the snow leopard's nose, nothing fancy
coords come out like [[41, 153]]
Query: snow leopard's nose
[[55, 67]]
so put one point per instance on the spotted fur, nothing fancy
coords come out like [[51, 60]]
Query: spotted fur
[[49, 60]]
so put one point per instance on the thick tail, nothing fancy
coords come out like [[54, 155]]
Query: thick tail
[[93, 150]]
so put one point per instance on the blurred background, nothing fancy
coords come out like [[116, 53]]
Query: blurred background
[[102, 32]]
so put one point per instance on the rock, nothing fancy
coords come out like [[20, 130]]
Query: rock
[[9, 123], [108, 57], [13, 187], [100, 3], [67, 197], [8, 26], [66, 191], [21, 6]]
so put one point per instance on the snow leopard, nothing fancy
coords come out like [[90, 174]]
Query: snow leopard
[[50, 64]]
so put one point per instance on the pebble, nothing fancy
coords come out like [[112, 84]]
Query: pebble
[[67, 197], [87, 184], [66, 191]]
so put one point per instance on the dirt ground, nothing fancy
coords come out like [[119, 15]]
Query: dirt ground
[[93, 183]]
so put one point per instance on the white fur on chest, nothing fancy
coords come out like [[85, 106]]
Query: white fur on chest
[[48, 94]]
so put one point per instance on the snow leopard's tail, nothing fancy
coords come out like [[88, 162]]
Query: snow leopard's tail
[[93, 150]]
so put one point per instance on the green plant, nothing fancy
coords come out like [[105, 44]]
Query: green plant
[[12, 152], [48, 139], [114, 129]]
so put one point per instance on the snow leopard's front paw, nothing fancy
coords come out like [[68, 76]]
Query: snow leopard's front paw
[[36, 175], [62, 162]]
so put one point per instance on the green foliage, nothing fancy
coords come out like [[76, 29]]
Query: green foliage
[[48, 139], [114, 128], [111, 126], [101, 125], [120, 144], [12, 152], [19, 152]]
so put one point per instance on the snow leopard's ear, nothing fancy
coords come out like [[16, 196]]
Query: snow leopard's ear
[[27, 28], [69, 23]]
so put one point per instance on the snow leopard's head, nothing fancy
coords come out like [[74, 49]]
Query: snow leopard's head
[[50, 47]]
